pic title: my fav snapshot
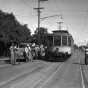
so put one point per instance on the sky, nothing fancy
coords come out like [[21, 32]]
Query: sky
[[74, 13]]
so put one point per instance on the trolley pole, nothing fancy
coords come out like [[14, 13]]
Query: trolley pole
[[60, 26], [60, 23]]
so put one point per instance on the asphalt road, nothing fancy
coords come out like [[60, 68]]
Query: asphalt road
[[69, 74]]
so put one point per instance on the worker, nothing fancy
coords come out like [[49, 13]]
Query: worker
[[30, 57], [12, 59], [26, 54]]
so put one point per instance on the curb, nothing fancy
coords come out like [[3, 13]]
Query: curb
[[4, 65]]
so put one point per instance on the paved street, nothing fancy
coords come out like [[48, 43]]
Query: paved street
[[11, 72], [40, 74]]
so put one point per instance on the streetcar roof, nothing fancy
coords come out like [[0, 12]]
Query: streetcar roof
[[59, 34], [60, 31]]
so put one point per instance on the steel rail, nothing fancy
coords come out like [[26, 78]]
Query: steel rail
[[83, 84], [50, 77]]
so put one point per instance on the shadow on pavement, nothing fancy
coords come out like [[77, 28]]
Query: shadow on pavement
[[54, 59]]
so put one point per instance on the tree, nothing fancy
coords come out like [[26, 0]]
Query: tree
[[41, 30], [40, 35], [12, 31]]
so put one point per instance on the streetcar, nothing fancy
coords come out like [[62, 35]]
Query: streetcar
[[60, 44]]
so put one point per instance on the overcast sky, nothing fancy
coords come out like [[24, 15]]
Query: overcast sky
[[75, 15]]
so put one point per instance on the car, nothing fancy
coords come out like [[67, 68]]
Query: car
[[20, 52]]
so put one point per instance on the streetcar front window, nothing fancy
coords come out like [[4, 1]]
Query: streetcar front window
[[64, 40], [57, 40]]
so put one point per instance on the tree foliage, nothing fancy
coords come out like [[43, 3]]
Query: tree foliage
[[11, 30], [40, 36]]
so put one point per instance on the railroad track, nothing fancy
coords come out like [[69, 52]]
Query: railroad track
[[83, 77], [55, 73], [44, 82]]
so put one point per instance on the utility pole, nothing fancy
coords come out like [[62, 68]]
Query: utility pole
[[39, 12]]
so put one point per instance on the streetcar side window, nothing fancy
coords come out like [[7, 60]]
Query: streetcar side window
[[64, 40], [69, 41], [57, 40]]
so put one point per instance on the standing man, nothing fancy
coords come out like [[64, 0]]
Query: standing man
[[12, 59], [42, 51], [37, 51], [30, 53], [26, 53]]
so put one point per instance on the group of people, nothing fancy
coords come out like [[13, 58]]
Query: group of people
[[31, 52], [35, 51]]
